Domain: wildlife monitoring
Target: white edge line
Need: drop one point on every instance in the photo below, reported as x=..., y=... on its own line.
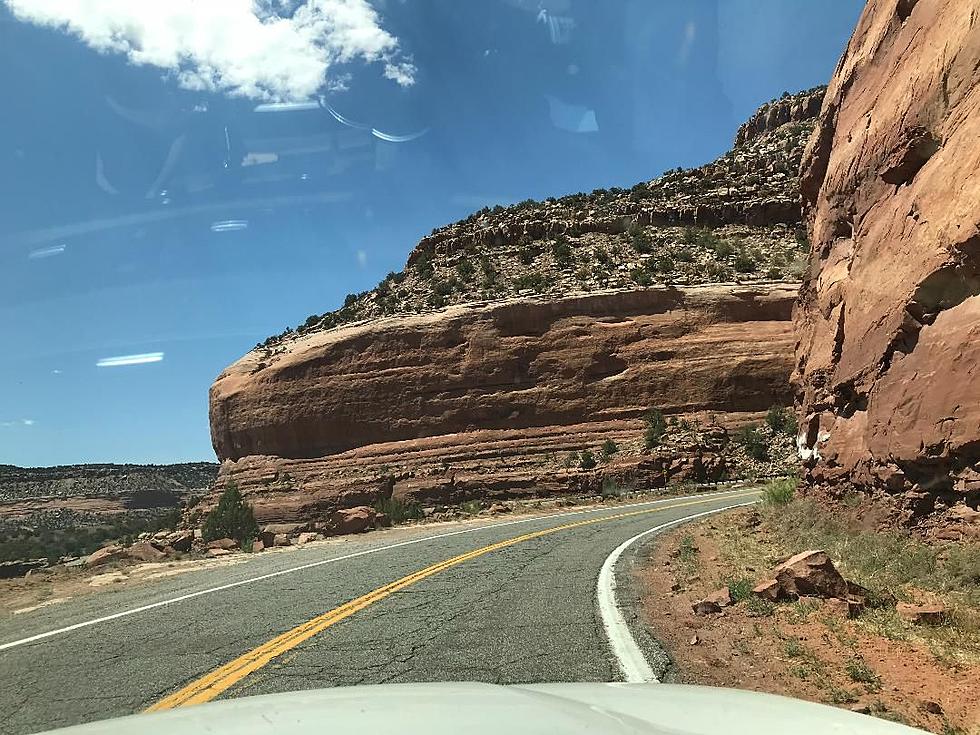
x=332, y=560
x=632, y=663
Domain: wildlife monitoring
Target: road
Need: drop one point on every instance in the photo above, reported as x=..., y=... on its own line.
x=502, y=601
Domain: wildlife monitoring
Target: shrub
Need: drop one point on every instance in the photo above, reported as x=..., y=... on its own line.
x=724, y=249
x=527, y=254
x=745, y=263
x=471, y=507
x=489, y=272
x=465, y=269
x=665, y=264
x=779, y=492
x=641, y=276
x=781, y=419
x=610, y=488
x=350, y=299
x=423, y=267
x=586, y=460
x=859, y=671
x=740, y=589
x=444, y=288
x=609, y=448
x=398, y=510
x=753, y=441
x=535, y=281
x=562, y=252
x=602, y=256
x=231, y=518
x=656, y=428
x=684, y=255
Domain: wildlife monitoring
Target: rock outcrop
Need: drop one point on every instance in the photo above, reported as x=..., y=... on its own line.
x=460, y=404
x=520, y=344
x=888, y=371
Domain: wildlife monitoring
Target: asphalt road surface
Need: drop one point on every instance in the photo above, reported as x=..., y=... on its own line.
x=508, y=600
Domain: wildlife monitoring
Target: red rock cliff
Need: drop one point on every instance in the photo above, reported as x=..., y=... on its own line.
x=509, y=365
x=888, y=321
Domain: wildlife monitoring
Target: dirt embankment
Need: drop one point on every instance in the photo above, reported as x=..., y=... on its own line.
x=875, y=662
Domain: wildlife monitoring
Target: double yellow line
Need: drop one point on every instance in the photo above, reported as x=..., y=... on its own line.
x=214, y=683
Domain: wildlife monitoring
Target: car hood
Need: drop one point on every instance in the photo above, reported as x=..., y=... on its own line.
x=433, y=709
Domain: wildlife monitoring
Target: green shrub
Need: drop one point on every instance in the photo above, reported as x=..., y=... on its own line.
x=424, y=268
x=561, y=251
x=602, y=256
x=779, y=492
x=740, y=589
x=610, y=488
x=465, y=269
x=684, y=255
x=753, y=441
x=535, y=281
x=609, y=448
x=781, y=420
x=724, y=249
x=231, y=518
x=665, y=264
x=656, y=428
x=641, y=276
x=586, y=460
x=745, y=263
x=471, y=507
x=399, y=510
x=859, y=671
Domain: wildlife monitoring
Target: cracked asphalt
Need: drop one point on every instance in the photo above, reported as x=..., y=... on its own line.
x=524, y=613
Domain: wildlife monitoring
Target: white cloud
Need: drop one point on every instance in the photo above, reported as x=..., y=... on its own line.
x=20, y=422
x=254, y=48
x=361, y=258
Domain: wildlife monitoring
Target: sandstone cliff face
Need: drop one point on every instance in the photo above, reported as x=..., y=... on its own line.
x=510, y=365
x=889, y=321
x=481, y=388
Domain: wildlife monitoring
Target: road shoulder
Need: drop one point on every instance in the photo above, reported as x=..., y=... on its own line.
x=808, y=649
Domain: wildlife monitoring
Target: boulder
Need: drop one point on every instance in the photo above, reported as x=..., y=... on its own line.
x=281, y=539
x=306, y=537
x=290, y=529
x=767, y=590
x=353, y=520
x=216, y=552
x=145, y=551
x=721, y=597
x=106, y=554
x=810, y=573
x=706, y=607
x=927, y=614
x=180, y=540
x=257, y=546
x=20, y=567
x=223, y=543
x=268, y=539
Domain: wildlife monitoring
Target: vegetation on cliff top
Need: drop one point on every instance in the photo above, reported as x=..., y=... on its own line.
x=736, y=218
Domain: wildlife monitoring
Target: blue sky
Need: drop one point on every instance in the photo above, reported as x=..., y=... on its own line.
x=150, y=209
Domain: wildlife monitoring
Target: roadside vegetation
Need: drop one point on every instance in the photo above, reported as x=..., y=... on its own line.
x=872, y=658
x=80, y=537
x=231, y=518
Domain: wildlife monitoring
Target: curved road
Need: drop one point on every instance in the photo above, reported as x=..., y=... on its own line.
x=507, y=601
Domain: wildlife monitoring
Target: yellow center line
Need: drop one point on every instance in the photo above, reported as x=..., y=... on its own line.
x=215, y=682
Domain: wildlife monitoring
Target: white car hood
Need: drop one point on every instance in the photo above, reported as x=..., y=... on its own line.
x=478, y=709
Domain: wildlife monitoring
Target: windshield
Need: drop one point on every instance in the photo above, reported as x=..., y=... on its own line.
x=506, y=284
